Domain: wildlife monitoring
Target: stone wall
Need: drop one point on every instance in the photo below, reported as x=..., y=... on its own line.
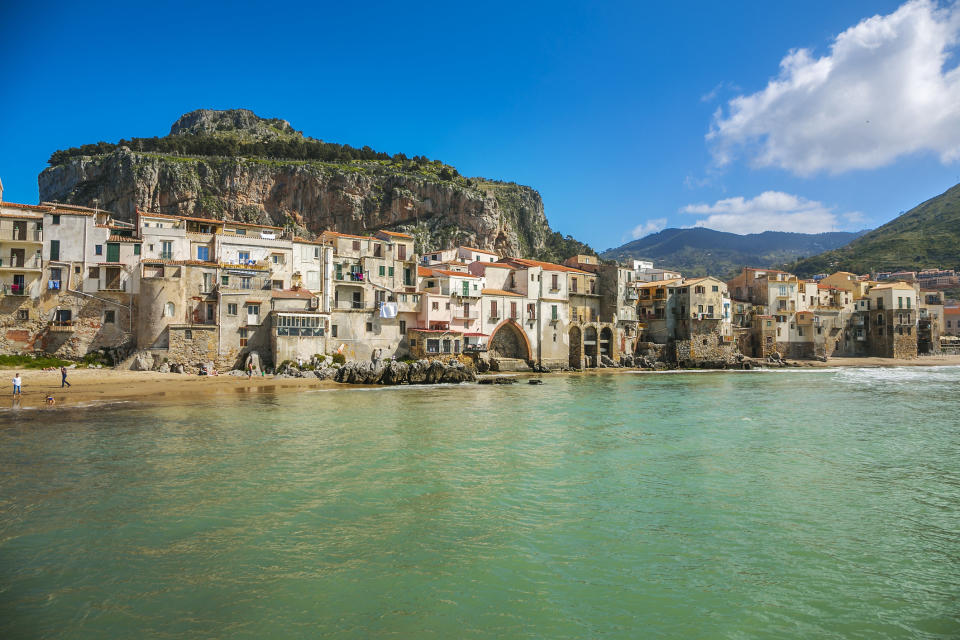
x=705, y=349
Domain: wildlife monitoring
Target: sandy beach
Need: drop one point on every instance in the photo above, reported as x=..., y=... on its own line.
x=100, y=386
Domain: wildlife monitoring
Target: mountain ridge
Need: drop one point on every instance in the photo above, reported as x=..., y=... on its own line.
x=926, y=236
x=699, y=251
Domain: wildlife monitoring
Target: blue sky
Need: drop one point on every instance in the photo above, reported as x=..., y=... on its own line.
x=825, y=121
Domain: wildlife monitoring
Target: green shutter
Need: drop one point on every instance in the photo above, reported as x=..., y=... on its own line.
x=113, y=252
x=383, y=270
x=54, y=249
x=390, y=272
x=136, y=249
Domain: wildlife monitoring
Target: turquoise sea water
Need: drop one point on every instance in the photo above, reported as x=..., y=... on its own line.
x=789, y=504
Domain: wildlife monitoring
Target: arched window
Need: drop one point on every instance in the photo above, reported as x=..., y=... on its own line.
x=169, y=310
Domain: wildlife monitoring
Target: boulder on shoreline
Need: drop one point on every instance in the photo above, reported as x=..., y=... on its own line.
x=394, y=372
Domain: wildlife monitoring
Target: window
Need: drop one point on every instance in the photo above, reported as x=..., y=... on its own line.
x=382, y=270
x=244, y=282
x=232, y=309
x=244, y=335
x=554, y=282
x=900, y=302
x=710, y=310
x=908, y=302
x=98, y=249
x=531, y=311
x=378, y=251
x=225, y=280
x=356, y=245
x=493, y=309
x=109, y=316
x=55, y=246
x=23, y=314
x=166, y=249
x=275, y=257
x=553, y=313
x=699, y=289
x=333, y=330
x=401, y=252
x=188, y=334
x=390, y=272
x=433, y=346
x=369, y=327
x=136, y=249
x=243, y=256
x=573, y=285
x=799, y=331
x=169, y=310
x=403, y=327
x=435, y=306
x=93, y=272
x=56, y=219
x=203, y=254
x=715, y=288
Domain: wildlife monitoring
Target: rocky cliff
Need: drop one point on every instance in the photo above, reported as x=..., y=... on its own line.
x=425, y=198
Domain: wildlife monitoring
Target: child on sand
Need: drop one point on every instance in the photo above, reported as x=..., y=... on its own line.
x=16, y=385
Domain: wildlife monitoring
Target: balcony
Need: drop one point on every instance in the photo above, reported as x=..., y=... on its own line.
x=19, y=263
x=15, y=289
x=19, y=235
x=61, y=326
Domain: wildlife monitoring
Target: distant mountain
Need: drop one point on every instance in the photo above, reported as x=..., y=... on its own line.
x=926, y=236
x=700, y=251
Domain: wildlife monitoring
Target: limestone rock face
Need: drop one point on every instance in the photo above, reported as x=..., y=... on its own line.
x=355, y=197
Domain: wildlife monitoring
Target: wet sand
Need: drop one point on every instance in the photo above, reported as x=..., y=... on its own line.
x=100, y=386
x=96, y=386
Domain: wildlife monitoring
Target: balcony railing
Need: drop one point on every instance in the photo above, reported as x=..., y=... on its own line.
x=26, y=236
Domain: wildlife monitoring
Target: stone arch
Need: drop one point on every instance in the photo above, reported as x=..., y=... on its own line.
x=576, y=347
x=606, y=345
x=508, y=340
x=590, y=344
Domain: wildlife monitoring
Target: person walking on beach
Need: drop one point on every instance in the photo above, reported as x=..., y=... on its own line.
x=16, y=385
x=249, y=370
x=63, y=377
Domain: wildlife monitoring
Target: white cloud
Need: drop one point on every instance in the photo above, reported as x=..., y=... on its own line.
x=882, y=92
x=769, y=211
x=648, y=227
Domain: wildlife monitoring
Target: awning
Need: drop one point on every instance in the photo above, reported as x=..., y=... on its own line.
x=477, y=335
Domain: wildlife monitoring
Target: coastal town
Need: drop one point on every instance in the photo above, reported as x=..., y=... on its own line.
x=173, y=292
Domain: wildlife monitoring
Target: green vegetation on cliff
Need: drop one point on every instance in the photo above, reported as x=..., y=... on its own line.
x=235, y=165
x=927, y=236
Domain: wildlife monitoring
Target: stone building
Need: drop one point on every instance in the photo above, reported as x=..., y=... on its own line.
x=375, y=297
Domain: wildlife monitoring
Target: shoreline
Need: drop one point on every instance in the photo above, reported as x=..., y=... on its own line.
x=96, y=387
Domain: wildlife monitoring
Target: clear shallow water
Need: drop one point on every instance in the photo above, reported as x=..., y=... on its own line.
x=752, y=505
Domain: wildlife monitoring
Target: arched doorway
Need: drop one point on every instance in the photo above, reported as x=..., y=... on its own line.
x=606, y=345
x=576, y=348
x=590, y=346
x=509, y=341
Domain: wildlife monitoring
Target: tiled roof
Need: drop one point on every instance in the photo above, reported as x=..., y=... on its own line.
x=305, y=241
x=396, y=235
x=459, y=274
x=337, y=234
x=210, y=220
x=116, y=238
x=500, y=292
x=489, y=253
x=546, y=266
x=22, y=216
x=423, y=271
